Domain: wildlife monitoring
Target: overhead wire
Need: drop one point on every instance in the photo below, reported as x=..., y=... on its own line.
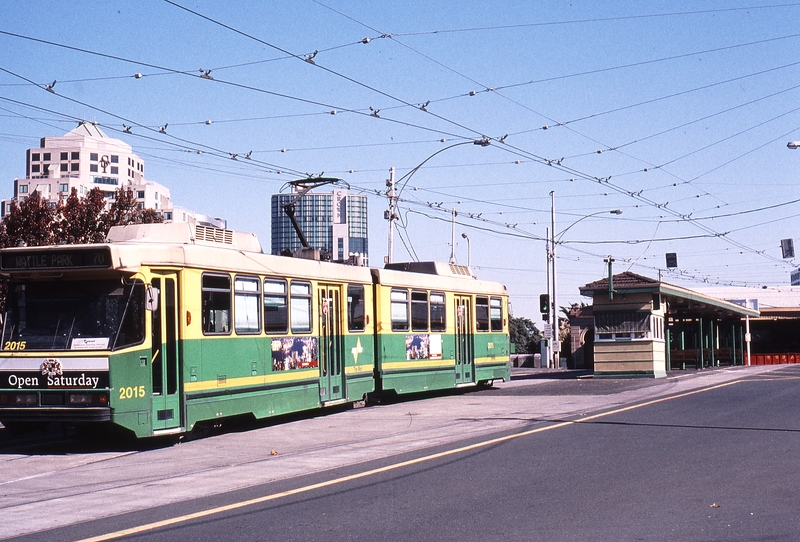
x=407, y=103
x=601, y=19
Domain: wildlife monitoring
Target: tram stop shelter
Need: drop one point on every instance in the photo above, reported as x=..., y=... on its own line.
x=645, y=327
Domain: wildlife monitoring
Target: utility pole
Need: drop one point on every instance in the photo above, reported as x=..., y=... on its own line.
x=610, y=262
x=453, y=238
x=390, y=215
x=556, y=343
x=545, y=347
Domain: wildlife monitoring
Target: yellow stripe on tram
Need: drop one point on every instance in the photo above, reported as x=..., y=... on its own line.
x=419, y=364
x=300, y=376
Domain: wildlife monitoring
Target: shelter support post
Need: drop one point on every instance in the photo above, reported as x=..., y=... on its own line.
x=747, y=336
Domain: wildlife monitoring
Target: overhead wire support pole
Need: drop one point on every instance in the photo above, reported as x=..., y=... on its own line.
x=453, y=238
x=553, y=300
x=391, y=215
x=549, y=339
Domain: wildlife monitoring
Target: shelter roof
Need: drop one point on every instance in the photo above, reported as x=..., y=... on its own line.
x=679, y=299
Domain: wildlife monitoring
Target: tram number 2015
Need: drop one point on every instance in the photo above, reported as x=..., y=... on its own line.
x=14, y=345
x=130, y=392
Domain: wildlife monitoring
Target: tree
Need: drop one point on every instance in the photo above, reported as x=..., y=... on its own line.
x=124, y=210
x=30, y=222
x=524, y=335
x=80, y=220
x=35, y=222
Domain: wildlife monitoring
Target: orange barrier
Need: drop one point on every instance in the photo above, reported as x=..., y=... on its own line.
x=774, y=359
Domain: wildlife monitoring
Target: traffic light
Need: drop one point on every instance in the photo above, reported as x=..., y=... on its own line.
x=544, y=303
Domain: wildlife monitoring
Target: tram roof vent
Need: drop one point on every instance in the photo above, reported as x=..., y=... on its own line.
x=213, y=235
x=433, y=268
x=207, y=235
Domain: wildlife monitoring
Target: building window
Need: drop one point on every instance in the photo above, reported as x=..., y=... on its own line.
x=35, y=168
x=216, y=303
x=622, y=326
x=35, y=157
x=300, y=303
x=64, y=167
x=63, y=187
x=399, y=302
x=246, y=301
x=114, y=159
x=140, y=194
x=496, y=313
x=76, y=156
x=106, y=180
x=355, y=307
x=75, y=167
x=46, y=157
x=276, y=313
x=23, y=189
x=93, y=168
x=93, y=157
x=65, y=156
x=167, y=216
x=114, y=170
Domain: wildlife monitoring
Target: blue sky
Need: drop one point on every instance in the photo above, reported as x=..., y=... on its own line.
x=690, y=105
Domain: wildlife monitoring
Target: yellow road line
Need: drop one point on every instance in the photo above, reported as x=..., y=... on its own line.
x=266, y=498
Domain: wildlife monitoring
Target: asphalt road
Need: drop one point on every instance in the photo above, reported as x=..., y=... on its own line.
x=700, y=456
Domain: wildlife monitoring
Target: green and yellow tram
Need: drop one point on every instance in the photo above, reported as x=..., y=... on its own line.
x=166, y=326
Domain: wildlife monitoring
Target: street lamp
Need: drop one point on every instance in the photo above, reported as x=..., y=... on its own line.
x=551, y=255
x=394, y=195
x=469, y=250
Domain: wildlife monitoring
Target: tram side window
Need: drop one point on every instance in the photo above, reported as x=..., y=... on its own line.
x=300, y=307
x=419, y=311
x=482, y=313
x=438, y=322
x=216, y=303
x=355, y=307
x=496, y=313
x=246, y=298
x=276, y=307
x=399, y=300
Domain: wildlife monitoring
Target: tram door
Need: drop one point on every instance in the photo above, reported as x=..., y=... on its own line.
x=165, y=360
x=331, y=344
x=465, y=352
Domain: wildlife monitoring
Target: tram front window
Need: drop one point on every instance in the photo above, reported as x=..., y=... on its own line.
x=74, y=315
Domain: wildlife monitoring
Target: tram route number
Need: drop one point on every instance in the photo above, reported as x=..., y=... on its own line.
x=131, y=392
x=14, y=345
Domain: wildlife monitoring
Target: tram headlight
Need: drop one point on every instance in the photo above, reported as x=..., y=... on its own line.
x=19, y=399
x=81, y=398
x=88, y=399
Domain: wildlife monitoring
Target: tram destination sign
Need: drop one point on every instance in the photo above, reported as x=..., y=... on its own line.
x=58, y=258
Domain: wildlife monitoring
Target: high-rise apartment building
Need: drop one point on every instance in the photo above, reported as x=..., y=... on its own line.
x=335, y=223
x=86, y=158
